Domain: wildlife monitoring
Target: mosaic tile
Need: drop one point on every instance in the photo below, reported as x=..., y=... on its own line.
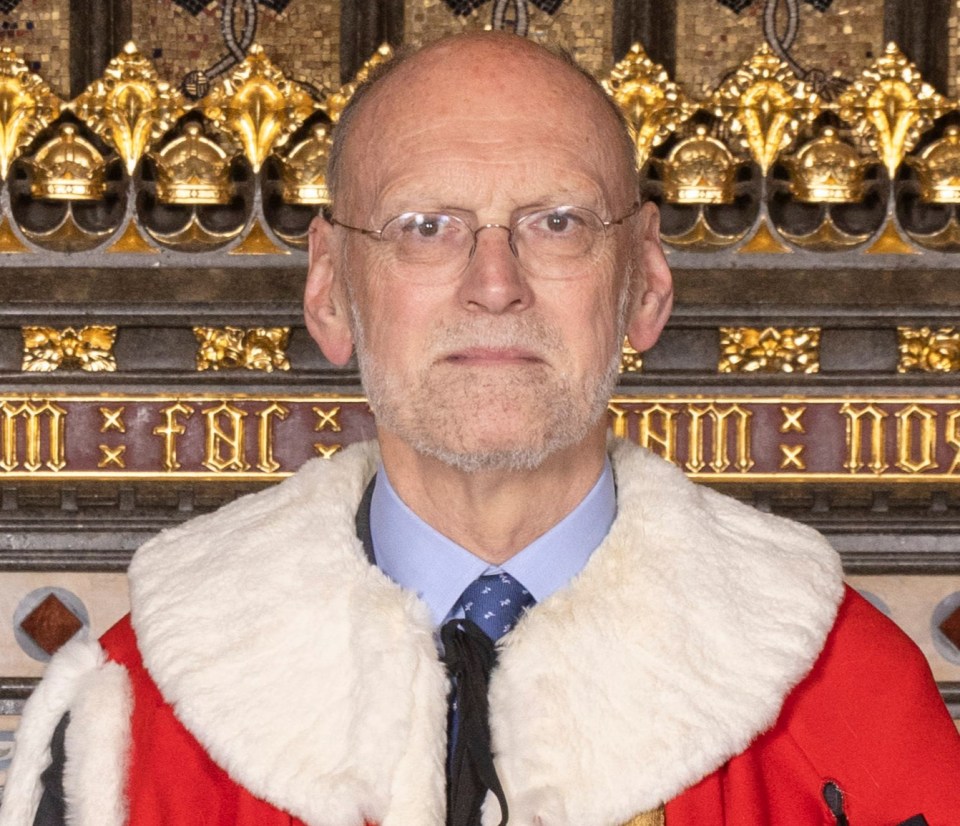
x=300, y=36
x=39, y=32
x=842, y=37
x=582, y=27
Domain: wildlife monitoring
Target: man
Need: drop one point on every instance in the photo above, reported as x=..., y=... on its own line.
x=686, y=657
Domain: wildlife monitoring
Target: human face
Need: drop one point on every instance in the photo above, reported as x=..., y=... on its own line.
x=499, y=369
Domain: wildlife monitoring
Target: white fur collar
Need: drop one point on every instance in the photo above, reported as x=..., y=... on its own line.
x=313, y=680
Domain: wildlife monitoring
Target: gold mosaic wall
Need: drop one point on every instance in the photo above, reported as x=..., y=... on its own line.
x=39, y=31
x=953, y=28
x=582, y=27
x=304, y=41
x=711, y=38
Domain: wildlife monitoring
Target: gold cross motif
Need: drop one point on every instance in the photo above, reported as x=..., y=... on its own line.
x=326, y=451
x=112, y=420
x=792, y=457
x=792, y=419
x=112, y=456
x=327, y=417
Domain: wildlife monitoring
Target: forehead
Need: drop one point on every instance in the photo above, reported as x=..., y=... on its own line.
x=485, y=118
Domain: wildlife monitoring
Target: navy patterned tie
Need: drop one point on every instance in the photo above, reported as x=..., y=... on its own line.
x=494, y=602
x=491, y=605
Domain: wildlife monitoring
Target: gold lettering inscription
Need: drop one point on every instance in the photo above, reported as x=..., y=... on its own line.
x=112, y=420
x=619, y=423
x=854, y=426
x=32, y=412
x=265, y=460
x=327, y=418
x=922, y=423
x=170, y=430
x=224, y=431
x=719, y=418
x=792, y=419
x=953, y=437
x=111, y=456
x=658, y=426
x=326, y=451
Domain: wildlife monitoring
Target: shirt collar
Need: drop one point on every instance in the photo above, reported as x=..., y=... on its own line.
x=419, y=558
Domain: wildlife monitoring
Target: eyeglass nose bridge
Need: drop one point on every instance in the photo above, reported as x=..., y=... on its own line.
x=510, y=239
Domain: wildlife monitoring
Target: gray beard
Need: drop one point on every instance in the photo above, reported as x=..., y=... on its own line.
x=567, y=421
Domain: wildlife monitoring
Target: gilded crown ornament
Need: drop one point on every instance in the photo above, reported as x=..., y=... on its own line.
x=259, y=105
x=890, y=106
x=764, y=104
x=193, y=169
x=336, y=101
x=827, y=170
x=27, y=106
x=129, y=107
x=304, y=169
x=938, y=168
x=698, y=170
x=653, y=104
x=68, y=168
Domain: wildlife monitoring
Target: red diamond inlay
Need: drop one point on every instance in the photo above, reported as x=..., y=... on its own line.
x=51, y=624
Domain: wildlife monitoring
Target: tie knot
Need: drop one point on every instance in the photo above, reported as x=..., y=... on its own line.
x=494, y=602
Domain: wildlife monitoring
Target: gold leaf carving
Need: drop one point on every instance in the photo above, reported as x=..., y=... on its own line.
x=827, y=170
x=698, y=170
x=193, y=169
x=129, y=107
x=27, y=106
x=90, y=349
x=304, y=169
x=770, y=350
x=926, y=350
x=337, y=101
x=258, y=105
x=653, y=104
x=890, y=106
x=764, y=104
x=68, y=168
x=938, y=169
x=228, y=348
x=630, y=360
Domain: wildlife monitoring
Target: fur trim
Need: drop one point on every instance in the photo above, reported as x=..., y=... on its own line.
x=64, y=677
x=268, y=631
x=669, y=653
x=97, y=745
x=307, y=675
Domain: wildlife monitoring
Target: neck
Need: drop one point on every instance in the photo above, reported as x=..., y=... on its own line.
x=494, y=514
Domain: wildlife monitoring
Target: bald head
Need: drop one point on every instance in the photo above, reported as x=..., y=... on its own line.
x=479, y=71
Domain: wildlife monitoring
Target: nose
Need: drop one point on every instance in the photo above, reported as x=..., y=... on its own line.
x=493, y=281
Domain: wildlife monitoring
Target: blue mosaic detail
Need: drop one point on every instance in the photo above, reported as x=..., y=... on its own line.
x=465, y=7
x=738, y=6
x=194, y=7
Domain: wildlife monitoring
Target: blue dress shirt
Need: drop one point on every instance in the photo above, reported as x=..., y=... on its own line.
x=424, y=561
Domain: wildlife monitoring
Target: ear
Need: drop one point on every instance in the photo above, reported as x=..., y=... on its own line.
x=654, y=297
x=325, y=307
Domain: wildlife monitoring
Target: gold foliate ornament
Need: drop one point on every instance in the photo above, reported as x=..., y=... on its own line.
x=27, y=106
x=337, y=101
x=890, y=106
x=770, y=350
x=228, y=348
x=129, y=107
x=827, y=170
x=46, y=349
x=938, y=168
x=698, y=170
x=925, y=350
x=259, y=105
x=68, y=168
x=765, y=104
x=193, y=169
x=630, y=360
x=653, y=104
x=304, y=169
